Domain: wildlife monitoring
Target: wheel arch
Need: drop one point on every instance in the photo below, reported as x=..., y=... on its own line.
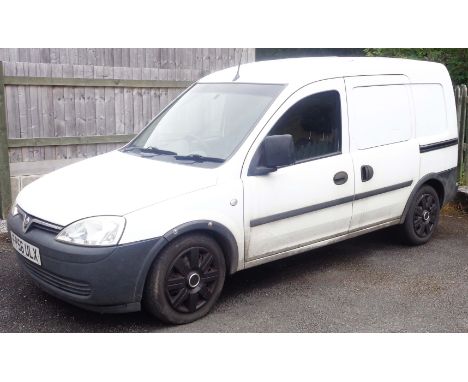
x=217, y=231
x=442, y=184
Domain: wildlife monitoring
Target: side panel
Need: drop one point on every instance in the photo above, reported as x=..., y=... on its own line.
x=436, y=129
x=439, y=160
x=382, y=138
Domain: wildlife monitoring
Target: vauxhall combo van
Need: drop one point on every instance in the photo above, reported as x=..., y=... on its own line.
x=250, y=164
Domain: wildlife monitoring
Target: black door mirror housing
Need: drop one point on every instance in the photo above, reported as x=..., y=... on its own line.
x=277, y=151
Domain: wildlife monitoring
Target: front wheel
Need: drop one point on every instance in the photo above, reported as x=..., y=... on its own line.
x=185, y=280
x=422, y=217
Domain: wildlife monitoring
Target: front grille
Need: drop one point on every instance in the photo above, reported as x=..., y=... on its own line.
x=75, y=287
x=36, y=223
x=45, y=226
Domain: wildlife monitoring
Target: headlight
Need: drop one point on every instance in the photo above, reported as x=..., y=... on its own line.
x=95, y=231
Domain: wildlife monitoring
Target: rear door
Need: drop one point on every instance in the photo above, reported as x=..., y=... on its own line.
x=384, y=151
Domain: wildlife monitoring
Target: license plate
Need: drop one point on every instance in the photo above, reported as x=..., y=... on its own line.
x=27, y=250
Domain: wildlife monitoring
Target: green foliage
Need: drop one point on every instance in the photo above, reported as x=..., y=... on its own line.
x=456, y=60
x=278, y=53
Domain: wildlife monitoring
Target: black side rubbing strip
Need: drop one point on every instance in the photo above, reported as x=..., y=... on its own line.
x=331, y=203
x=383, y=190
x=438, y=145
x=299, y=211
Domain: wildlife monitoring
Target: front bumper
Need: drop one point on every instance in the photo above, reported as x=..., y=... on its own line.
x=104, y=279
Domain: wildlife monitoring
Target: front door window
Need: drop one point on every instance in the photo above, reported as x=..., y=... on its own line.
x=315, y=125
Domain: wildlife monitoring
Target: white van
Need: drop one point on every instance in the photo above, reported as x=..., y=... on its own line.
x=242, y=169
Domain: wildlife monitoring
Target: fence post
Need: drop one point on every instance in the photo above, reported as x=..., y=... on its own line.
x=465, y=143
x=458, y=99
x=461, y=102
x=5, y=186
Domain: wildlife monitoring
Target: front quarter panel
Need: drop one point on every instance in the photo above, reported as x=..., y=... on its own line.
x=221, y=204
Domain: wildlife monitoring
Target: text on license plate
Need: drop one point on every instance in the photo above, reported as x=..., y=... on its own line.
x=27, y=250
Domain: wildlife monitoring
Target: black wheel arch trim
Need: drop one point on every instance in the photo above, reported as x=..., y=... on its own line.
x=446, y=178
x=229, y=244
x=210, y=225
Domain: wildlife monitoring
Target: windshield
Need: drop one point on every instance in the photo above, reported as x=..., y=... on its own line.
x=207, y=123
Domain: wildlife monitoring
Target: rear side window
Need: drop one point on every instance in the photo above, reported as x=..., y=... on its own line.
x=315, y=125
x=379, y=115
x=429, y=107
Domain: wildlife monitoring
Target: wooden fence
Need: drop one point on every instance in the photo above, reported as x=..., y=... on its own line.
x=161, y=58
x=461, y=100
x=55, y=107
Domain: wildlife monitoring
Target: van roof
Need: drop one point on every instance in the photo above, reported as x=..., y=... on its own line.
x=310, y=69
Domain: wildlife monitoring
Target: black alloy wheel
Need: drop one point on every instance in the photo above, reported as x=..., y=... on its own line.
x=192, y=279
x=185, y=279
x=425, y=215
x=422, y=216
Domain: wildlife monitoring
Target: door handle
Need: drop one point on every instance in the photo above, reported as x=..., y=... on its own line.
x=367, y=172
x=340, y=178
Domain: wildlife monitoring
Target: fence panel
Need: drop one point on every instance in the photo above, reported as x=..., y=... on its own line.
x=73, y=106
x=165, y=58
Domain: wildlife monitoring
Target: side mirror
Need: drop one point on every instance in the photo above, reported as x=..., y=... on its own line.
x=277, y=151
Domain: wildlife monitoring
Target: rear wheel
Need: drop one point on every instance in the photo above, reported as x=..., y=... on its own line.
x=186, y=279
x=422, y=217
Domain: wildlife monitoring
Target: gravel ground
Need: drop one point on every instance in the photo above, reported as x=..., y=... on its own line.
x=2, y=226
x=367, y=284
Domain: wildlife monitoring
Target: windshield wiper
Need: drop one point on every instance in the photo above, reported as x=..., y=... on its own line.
x=199, y=158
x=192, y=157
x=155, y=150
x=150, y=150
x=130, y=148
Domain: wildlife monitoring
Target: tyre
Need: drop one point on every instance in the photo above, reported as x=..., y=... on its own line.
x=422, y=217
x=185, y=280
